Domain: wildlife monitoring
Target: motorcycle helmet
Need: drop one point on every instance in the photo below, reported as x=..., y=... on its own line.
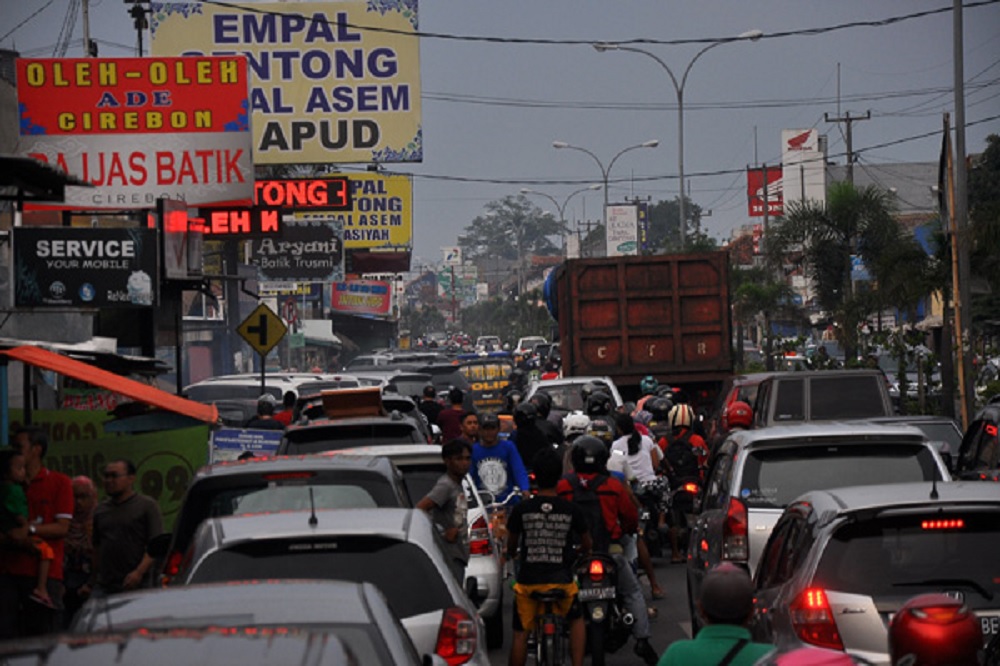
x=574, y=425
x=543, y=403
x=648, y=385
x=589, y=389
x=934, y=629
x=739, y=415
x=665, y=391
x=589, y=455
x=518, y=378
x=511, y=401
x=659, y=408
x=525, y=414
x=601, y=428
x=680, y=416
x=598, y=404
x=266, y=404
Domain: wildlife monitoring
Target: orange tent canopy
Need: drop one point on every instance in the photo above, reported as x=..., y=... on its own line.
x=85, y=372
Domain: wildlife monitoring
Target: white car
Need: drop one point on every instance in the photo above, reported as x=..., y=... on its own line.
x=566, y=392
x=527, y=344
x=421, y=466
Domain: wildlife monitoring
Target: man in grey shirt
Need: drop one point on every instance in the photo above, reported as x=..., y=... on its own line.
x=124, y=523
x=446, y=502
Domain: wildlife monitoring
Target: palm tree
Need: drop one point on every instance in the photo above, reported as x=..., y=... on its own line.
x=853, y=221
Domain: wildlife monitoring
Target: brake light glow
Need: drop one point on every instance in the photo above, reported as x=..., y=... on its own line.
x=596, y=570
x=734, y=532
x=285, y=476
x=691, y=488
x=456, y=641
x=479, y=537
x=953, y=524
x=941, y=614
x=812, y=619
x=173, y=564
x=990, y=429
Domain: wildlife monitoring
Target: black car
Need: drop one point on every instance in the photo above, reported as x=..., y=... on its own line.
x=979, y=454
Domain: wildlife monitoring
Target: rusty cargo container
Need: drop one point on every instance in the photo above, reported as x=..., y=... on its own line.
x=664, y=315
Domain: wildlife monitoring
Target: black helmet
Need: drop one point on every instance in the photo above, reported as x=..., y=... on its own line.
x=589, y=454
x=543, y=402
x=524, y=414
x=598, y=404
x=518, y=377
x=511, y=401
x=588, y=389
x=659, y=408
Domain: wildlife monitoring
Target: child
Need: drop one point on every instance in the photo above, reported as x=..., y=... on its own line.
x=14, y=518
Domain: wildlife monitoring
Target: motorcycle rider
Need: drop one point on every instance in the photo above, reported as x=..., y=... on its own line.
x=682, y=463
x=548, y=422
x=620, y=517
x=647, y=389
x=528, y=438
x=536, y=528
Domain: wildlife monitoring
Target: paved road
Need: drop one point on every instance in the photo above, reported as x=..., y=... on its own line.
x=672, y=621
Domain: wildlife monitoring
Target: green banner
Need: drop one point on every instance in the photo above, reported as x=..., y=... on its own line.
x=165, y=460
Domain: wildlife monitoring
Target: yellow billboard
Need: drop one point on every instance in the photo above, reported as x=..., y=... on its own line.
x=330, y=81
x=382, y=215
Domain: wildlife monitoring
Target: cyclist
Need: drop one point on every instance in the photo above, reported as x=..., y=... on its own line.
x=616, y=516
x=541, y=533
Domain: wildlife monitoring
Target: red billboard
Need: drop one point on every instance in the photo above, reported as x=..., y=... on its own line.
x=755, y=191
x=362, y=297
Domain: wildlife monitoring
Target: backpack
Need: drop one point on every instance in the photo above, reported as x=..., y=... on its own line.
x=585, y=496
x=680, y=459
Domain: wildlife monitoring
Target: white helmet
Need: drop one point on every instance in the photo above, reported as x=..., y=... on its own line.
x=680, y=416
x=575, y=424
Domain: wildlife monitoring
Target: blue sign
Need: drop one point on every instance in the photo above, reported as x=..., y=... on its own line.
x=229, y=443
x=859, y=272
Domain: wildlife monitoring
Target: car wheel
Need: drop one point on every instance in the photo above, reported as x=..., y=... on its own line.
x=494, y=627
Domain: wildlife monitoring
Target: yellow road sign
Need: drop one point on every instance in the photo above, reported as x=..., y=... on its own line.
x=262, y=329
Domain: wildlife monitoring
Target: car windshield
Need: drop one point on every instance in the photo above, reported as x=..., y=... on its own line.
x=345, y=436
x=222, y=391
x=831, y=398
x=567, y=398
x=914, y=553
x=773, y=477
x=375, y=560
x=941, y=432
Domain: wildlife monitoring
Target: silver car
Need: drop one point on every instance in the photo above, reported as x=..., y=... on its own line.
x=397, y=550
x=356, y=612
x=421, y=466
x=566, y=392
x=757, y=473
x=841, y=562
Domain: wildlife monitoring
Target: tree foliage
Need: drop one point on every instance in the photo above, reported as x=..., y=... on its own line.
x=513, y=218
x=663, y=225
x=984, y=225
x=509, y=319
x=421, y=320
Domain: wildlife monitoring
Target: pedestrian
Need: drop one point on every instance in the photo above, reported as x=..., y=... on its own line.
x=429, y=405
x=447, y=505
x=264, y=419
x=496, y=465
x=50, y=509
x=450, y=418
x=124, y=524
x=725, y=604
x=541, y=533
x=470, y=427
x=14, y=519
x=284, y=415
x=79, y=551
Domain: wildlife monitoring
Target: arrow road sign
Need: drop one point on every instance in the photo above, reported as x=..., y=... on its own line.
x=262, y=329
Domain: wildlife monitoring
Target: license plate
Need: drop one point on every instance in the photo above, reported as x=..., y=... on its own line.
x=991, y=626
x=596, y=593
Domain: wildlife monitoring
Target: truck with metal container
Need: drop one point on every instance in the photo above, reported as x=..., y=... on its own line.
x=663, y=315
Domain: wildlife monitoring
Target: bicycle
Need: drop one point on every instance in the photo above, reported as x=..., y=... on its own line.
x=548, y=641
x=497, y=512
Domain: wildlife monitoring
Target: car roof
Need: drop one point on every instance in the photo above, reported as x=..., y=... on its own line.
x=834, y=502
x=853, y=431
x=278, y=464
x=399, y=453
x=344, y=422
x=793, y=374
x=244, y=602
x=398, y=524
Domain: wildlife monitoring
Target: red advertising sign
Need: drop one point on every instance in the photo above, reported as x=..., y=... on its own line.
x=362, y=297
x=132, y=95
x=140, y=129
x=293, y=193
x=252, y=222
x=755, y=191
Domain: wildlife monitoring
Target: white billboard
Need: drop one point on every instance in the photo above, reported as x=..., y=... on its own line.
x=803, y=159
x=622, y=233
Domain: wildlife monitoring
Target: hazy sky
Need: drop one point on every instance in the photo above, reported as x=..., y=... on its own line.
x=491, y=110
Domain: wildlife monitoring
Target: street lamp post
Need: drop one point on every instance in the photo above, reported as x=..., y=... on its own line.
x=652, y=143
x=752, y=35
x=561, y=207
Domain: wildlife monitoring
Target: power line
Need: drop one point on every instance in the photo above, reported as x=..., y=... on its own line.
x=19, y=25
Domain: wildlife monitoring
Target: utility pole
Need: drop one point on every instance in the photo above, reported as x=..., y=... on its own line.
x=849, y=120
x=961, y=213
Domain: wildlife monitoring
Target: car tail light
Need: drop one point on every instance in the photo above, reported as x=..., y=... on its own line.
x=479, y=537
x=734, y=532
x=456, y=642
x=286, y=476
x=812, y=619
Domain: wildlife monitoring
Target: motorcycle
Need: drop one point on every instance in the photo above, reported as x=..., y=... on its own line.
x=654, y=498
x=609, y=625
x=685, y=498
